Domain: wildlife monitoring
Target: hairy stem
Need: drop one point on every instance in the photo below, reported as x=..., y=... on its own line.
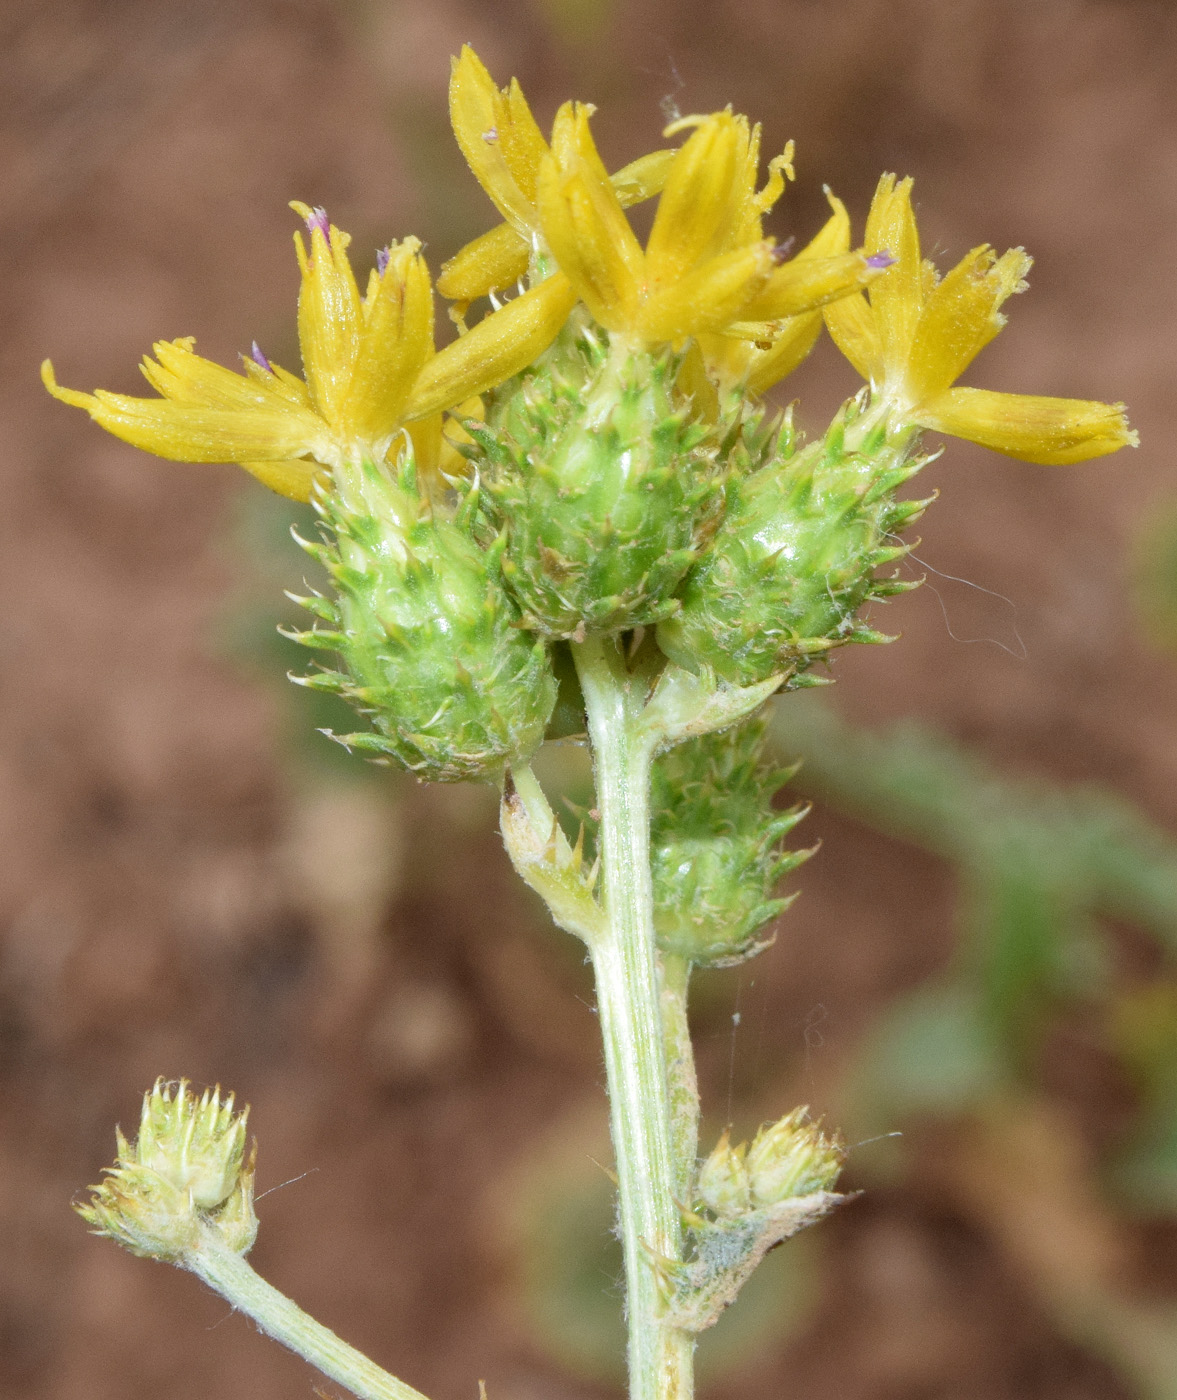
x=629, y=999
x=235, y=1279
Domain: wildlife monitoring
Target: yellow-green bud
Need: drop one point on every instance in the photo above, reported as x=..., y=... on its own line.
x=723, y=1184
x=792, y=1157
x=187, y=1171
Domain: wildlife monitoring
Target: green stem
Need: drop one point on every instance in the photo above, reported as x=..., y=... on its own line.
x=629, y=1000
x=235, y=1279
x=680, y=1071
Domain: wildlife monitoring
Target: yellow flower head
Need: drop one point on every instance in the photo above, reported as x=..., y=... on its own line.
x=369, y=364
x=504, y=147
x=916, y=333
x=706, y=268
x=754, y=357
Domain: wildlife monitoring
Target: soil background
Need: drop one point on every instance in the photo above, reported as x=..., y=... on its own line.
x=186, y=889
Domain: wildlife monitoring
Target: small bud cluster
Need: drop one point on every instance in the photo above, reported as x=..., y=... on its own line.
x=187, y=1172
x=786, y=1160
x=756, y=1195
x=714, y=847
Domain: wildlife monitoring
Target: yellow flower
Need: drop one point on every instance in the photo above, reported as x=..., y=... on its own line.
x=755, y=357
x=917, y=333
x=505, y=148
x=706, y=267
x=369, y=363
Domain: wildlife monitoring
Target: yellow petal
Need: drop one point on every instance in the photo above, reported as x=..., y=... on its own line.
x=499, y=258
x=834, y=235
x=584, y=225
x=643, y=178
x=499, y=346
x=1054, y=432
x=494, y=137
x=895, y=299
x=698, y=372
x=181, y=375
x=185, y=432
x=488, y=263
x=708, y=299
x=425, y=435
x=293, y=479
x=705, y=195
x=278, y=381
x=804, y=284
x=521, y=140
x=397, y=340
x=854, y=330
x=328, y=313
x=961, y=316
x=796, y=339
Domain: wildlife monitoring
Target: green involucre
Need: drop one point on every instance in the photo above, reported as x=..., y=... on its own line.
x=714, y=847
x=430, y=641
x=795, y=559
x=604, y=485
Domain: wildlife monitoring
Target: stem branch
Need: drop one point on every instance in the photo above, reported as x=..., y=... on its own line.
x=235, y=1279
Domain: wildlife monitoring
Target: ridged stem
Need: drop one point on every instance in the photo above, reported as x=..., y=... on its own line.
x=234, y=1278
x=630, y=1005
x=680, y=1072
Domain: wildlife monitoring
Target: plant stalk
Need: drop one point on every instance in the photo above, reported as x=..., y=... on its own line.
x=680, y=1071
x=629, y=1001
x=235, y=1279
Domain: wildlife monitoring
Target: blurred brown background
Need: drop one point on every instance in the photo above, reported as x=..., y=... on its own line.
x=189, y=887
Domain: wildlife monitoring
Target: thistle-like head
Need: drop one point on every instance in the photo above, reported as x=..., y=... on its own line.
x=188, y=1171
x=793, y=1157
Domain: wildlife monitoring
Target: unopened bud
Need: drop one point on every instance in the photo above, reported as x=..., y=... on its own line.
x=793, y=1157
x=714, y=847
x=188, y=1170
x=723, y=1180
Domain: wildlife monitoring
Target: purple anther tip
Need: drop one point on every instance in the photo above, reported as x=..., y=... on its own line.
x=318, y=220
x=382, y=257
x=258, y=356
x=781, y=251
x=882, y=260
x=491, y=136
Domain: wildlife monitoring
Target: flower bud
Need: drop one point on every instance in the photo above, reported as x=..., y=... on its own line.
x=723, y=1180
x=795, y=559
x=604, y=484
x=714, y=847
x=792, y=1158
x=186, y=1172
x=432, y=648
